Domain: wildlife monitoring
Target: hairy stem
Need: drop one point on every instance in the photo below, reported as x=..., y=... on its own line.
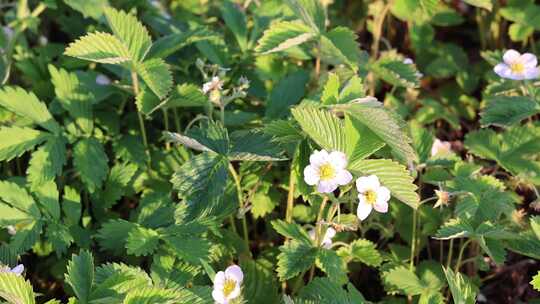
x=318, y=231
x=236, y=179
x=413, y=239
x=460, y=255
x=135, y=81
x=290, y=198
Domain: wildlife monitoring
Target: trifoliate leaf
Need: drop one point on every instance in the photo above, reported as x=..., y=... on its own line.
x=130, y=31
x=295, y=257
x=99, y=47
x=90, y=160
x=284, y=35
x=28, y=105
x=14, y=141
x=80, y=275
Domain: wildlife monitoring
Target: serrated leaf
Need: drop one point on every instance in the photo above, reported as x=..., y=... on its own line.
x=454, y=228
x=14, y=289
x=396, y=73
x=210, y=136
x=88, y=8
x=14, y=141
x=508, y=110
x=190, y=248
x=535, y=225
x=330, y=93
x=384, y=124
x=235, y=19
x=262, y=285
x=99, y=47
x=254, y=145
x=80, y=275
x=157, y=76
x=167, y=45
x=203, y=176
x=113, y=234
x=295, y=258
x=494, y=249
x=26, y=238
x=284, y=35
x=312, y=12
x=60, y=238
x=292, y=231
x=119, y=177
x=25, y=104
x=535, y=282
x=462, y=290
x=48, y=195
x=90, y=160
x=365, y=251
x=142, y=241
x=130, y=31
x=404, y=280
x=17, y=197
x=47, y=162
x=361, y=141
x=392, y=175
x=322, y=126
x=71, y=205
x=332, y=264
x=339, y=46
x=323, y=290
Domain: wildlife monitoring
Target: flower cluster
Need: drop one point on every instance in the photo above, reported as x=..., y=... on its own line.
x=327, y=171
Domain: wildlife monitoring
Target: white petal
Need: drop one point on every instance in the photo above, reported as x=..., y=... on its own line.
x=343, y=177
x=327, y=186
x=365, y=183
x=531, y=73
x=363, y=210
x=318, y=158
x=330, y=233
x=311, y=234
x=235, y=293
x=311, y=175
x=511, y=56
x=219, y=279
x=528, y=60
x=235, y=272
x=381, y=207
x=383, y=194
x=502, y=70
x=408, y=61
x=218, y=296
x=338, y=159
x=18, y=269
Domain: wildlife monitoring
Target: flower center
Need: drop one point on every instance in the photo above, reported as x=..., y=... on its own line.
x=228, y=287
x=326, y=172
x=371, y=196
x=517, y=68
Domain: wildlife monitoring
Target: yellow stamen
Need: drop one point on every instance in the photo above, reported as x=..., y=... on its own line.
x=326, y=172
x=371, y=197
x=517, y=67
x=228, y=287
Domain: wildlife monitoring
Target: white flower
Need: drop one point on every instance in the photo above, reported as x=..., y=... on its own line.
x=18, y=270
x=440, y=147
x=408, y=61
x=371, y=195
x=11, y=230
x=102, y=80
x=517, y=67
x=214, y=84
x=327, y=239
x=227, y=284
x=42, y=40
x=327, y=171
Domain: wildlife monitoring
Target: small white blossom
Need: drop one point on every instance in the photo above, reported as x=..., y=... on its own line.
x=18, y=270
x=214, y=84
x=327, y=238
x=43, y=41
x=371, y=195
x=408, y=61
x=11, y=230
x=227, y=284
x=327, y=171
x=440, y=147
x=102, y=80
x=517, y=66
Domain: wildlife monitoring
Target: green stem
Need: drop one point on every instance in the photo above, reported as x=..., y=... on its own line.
x=166, y=122
x=460, y=256
x=135, y=82
x=450, y=250
x=318, y=231
x=413, y=239
x=236, y=179
x=290, y=197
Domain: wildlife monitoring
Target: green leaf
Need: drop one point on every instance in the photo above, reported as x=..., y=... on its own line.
x=28, y=105
x=384, y=124
x=462, y=290
x=88, y=8
x=118, y=179
x=254, y=145
x=494, y=249
x=80, y=275
x=322, y=290
x=74, y=97
x=235, y=19
x=361, y=141
x=142, y=241
x=113, y=234
x=339, y=46
x=508, y=110
x=312, y=12
x=332, y=264
x=284, y=35
x=535, y=225
x=60, y=238
x=330, y=93
x=210, y=136
x=190, y=248
x=365, y=251
x=535, y=282
x=14, y=141
x=486, y=4
x=26, y=238
x=157, y=76
x=322, y=126
x=261, y=287
x=292, y=231
x=90, y=160
x=17, y=197
x=99, y=47
x=288, y=92
x=130, y=31
x=47, y=162
x=396, y=73
x=14, y=289
x=404, y=280
x=392, y=175
x=167, y=45
x=295, y=258
x=48, y=195
x=454, y=228
x=203, y=176
x=71, y=205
